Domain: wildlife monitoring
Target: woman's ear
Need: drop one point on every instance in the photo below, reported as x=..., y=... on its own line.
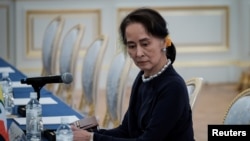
x=163, y=43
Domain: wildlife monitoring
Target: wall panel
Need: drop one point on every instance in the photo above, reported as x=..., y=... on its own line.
x=34, y=25
x=4, y=32
x=38, y=20
x=196, y=28
x=202, y=38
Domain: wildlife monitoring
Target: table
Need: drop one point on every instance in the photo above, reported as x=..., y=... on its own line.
x=59, y=109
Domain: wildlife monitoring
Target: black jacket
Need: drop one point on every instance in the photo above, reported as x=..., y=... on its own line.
x=159, y=110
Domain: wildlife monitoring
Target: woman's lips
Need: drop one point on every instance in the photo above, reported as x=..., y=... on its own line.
x=141, y=63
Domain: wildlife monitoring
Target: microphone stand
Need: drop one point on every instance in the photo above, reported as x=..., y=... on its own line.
x=37, y=88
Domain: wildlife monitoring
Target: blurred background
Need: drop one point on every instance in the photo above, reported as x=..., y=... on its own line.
x=211, y=37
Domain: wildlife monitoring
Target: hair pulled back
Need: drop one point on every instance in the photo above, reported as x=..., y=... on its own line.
x=153, y=23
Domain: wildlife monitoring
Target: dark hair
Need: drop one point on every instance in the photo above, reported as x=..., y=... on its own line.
x=154, y=24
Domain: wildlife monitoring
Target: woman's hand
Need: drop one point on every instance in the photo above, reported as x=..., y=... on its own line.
x=80, y=134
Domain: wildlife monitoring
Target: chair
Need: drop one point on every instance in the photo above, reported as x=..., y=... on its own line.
x=50, y=46
x=92, y=63
x=194, y=86
x=68, y=59
x=116, y=89
x=238, y=110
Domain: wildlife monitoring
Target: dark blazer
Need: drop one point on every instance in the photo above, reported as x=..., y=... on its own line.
x=159, y=110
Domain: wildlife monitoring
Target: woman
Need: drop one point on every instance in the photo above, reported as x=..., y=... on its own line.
x=159, y=107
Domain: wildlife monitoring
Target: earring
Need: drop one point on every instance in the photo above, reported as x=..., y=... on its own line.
x=164, y=49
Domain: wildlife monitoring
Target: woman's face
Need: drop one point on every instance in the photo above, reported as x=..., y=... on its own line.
x=144, y=49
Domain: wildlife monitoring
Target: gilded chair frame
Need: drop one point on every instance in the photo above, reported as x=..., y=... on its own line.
x=242, y=94
x=65, y=91
x=244, y=81
x=50, y=53
x=86, y=106
x=197, y=82
x=54, y=47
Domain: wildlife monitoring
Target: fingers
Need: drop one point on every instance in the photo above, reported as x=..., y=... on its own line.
x=74, y=128
x=81, y=135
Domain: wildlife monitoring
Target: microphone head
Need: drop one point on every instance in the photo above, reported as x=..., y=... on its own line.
x=67, y=78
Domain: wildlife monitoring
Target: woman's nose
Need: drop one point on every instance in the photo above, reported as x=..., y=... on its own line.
x=139, y=51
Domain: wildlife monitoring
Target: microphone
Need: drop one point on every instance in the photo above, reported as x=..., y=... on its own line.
x=66, y=78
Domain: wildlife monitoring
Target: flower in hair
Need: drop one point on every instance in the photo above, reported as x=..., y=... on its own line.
x=168, y=41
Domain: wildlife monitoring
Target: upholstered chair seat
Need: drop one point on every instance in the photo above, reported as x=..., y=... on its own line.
x=116, y=89
x=50, y=48
x=238, y=111
x=91, y=69
x=70, y=47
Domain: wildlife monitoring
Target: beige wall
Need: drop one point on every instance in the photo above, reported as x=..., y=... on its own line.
x=211, y=36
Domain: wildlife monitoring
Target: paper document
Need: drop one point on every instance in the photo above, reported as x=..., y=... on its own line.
x=48, y=120
x=6, y=69
x=16, y=133
x=17, y=84
x=42, y=100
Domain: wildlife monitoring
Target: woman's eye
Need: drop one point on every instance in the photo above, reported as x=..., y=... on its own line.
x=130, y=46
x=144, y=44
